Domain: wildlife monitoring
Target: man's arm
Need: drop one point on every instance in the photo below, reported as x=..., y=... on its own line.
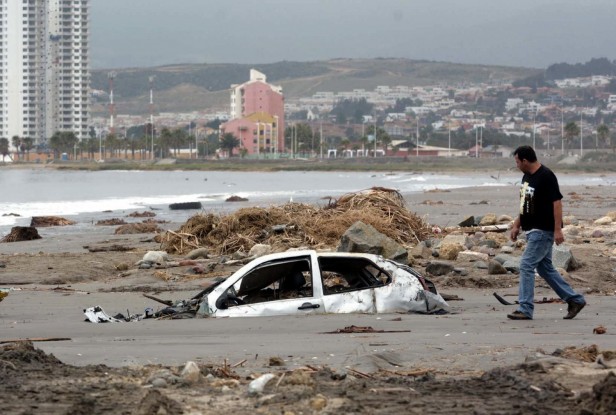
x=515, y=229
x=559, y=238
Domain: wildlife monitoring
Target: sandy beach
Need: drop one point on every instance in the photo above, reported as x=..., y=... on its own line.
x=55, y=278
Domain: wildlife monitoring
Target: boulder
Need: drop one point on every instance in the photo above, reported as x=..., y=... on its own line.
x=612, y=215
x=361, y=237
x=502, y=258
x=455, y=239
x=606, y=220
x=469, y=221
x=504, y=219
x=197, y=253
x=421, y=250
x=512, y=266
x=258, y=250
x=472, y=256
x=450, y=251
x=507, y=249
x=438, y=268
x=488, y=219
x=563, y=258
x=495, y=268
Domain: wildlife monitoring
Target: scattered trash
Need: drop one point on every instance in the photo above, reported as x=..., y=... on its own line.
x=256, y=386
x=599, y=330
x=185, y=205
x=363, y=329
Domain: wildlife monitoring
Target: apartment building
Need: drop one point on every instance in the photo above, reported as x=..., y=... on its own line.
x=257, y=115
x=44, y=69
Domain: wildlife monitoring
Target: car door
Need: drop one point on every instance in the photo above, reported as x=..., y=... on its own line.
x=272, y=288
x=348, y=284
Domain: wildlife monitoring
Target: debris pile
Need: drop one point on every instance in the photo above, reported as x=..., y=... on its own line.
x=44, y=221
x=297, y=224
x=21, y=233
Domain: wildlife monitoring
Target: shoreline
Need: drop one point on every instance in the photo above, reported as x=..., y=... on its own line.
x=424, y=164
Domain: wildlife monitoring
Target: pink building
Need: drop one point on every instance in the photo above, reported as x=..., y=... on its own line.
x=257, y=116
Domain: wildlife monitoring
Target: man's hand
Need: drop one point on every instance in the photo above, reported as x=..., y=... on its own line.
x=515, y=231
x=559, y=238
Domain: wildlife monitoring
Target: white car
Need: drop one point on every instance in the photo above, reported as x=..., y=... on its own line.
x=311, y=282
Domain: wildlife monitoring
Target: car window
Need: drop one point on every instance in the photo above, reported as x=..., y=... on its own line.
x=349, y=274
x=271, y=281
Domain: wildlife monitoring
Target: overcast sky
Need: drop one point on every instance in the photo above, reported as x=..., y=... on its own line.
x=528, y=33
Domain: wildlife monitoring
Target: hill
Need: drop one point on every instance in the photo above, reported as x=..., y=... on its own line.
x=190, y=87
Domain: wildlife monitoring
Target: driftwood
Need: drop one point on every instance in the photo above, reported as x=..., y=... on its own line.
x=137, y=228
x=21, y=233
x=36, y=339
x=108, y=248
x=297, y=224
x=144, y=214
x=111, y=222
x=45, y=221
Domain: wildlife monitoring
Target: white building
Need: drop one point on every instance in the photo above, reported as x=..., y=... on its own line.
x=44, y=70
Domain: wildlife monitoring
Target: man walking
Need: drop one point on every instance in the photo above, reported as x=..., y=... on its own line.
x=541, y=218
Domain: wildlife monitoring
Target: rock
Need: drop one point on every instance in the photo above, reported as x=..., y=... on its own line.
x=495, y=268
x=488, y=219
x=490, y=243
x=276, y=361
x=570, y=220
x=438, y=268
x=469, y=221
x=504, y=219
x=460, y=271
x=597, y=233
x=235, y=198
x=361, y=237
x=612, y=215
x=450, y=251
x=502, y=258
x=606, y=220
x=159, y=383
x=480, y=265
x=472, y=256
x=478, y=220
x=507, y=249
x=318, y=402
x=258, y=250
x=191, y=372
x=197, y=253
x=512, y=266
x=153, y=259
x=455, y=239
x=421, y=250
x=563, y=258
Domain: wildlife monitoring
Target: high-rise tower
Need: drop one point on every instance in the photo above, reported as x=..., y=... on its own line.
x=44, y=68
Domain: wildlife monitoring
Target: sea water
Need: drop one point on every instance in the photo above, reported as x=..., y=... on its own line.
x=89, y=196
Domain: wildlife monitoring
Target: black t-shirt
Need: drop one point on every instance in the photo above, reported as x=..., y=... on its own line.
x=537, y=196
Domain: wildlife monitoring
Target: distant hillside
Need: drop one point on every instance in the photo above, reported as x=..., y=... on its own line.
x=190, y=87
x=595, y=66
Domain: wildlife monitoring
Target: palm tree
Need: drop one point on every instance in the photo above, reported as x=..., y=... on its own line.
x=229, y=142
x=603, y=132
x=4, y=148
x=16, y=142
x=27, y=145
x=571, y=131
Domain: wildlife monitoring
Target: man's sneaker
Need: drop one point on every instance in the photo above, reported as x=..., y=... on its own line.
x=518, y=315
x=573, y=309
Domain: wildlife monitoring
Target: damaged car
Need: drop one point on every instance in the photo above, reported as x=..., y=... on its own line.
x=311, y=282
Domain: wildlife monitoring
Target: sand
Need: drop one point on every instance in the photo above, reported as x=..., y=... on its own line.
x=469, y=360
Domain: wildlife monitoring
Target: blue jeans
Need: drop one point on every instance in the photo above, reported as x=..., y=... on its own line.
x=538, y=255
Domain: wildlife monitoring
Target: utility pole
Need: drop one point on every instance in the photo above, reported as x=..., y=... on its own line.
x=151, y=82
x=581, y=136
